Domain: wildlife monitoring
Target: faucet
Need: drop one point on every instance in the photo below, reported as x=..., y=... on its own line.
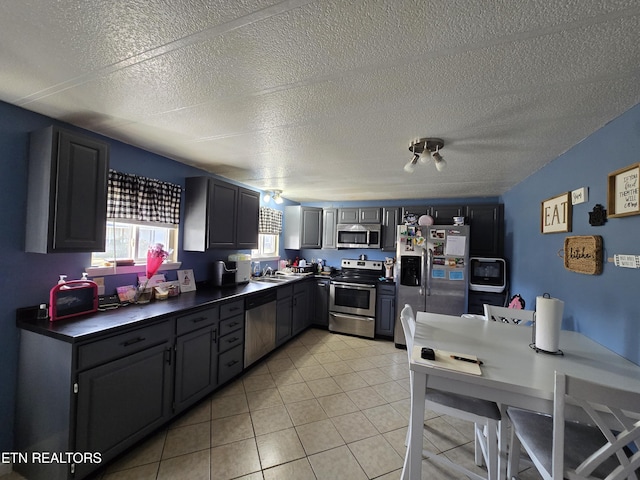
x=267, y=271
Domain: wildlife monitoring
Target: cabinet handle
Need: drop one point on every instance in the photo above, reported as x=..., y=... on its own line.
x=215, y=335
x=234, y=339
x=133, y=341
x=167, y=356
x=199, y=319
x=233, y=309
x=233, y=324
x=232, y=363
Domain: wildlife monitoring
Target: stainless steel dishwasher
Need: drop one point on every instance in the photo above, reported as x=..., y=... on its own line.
x=260, y=326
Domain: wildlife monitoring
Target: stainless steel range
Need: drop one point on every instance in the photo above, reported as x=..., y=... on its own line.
x=352, y=300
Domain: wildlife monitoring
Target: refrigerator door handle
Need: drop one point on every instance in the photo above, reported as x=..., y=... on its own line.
x=429, y=267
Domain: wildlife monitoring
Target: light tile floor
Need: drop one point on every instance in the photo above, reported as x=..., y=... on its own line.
x=323, y=406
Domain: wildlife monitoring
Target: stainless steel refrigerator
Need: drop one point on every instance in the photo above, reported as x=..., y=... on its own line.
x=431, y=271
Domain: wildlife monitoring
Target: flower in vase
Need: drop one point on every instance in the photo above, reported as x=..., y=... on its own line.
x=156, y=254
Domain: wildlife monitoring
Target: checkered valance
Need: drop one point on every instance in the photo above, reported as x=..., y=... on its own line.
x=143, y=199
x=270, y=221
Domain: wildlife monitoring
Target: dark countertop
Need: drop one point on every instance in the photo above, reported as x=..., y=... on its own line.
x=86, y=327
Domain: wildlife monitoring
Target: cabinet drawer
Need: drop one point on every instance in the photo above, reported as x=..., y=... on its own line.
x=195, y=320
x=231, y=340
x=231, y=324
x=284, y=292
x=386, y=289
x=230, y=309
x=111, y=348
x=229, y=364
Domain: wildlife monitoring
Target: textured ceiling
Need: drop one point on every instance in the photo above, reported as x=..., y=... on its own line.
x=321, y=98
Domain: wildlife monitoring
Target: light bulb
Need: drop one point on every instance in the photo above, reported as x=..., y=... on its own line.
x=439, y=161
x=424, y=157
x=277, y=198
x=410, y=166
x=266, y=198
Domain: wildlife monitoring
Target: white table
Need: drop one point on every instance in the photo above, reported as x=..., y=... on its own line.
x=512, y=373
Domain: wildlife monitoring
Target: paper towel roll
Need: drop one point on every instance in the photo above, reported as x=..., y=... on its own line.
x=548, y=321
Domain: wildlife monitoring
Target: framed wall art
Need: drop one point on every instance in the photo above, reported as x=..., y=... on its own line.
x=622, y=192
x=555, y=214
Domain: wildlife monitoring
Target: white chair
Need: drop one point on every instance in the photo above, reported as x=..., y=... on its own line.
x=484, y=414
x=560, y=448
x=512, y=316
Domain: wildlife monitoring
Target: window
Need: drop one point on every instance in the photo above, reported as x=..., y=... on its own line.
x=270, y=227
x=268, y=246
x=140, y=212
x=129, y=241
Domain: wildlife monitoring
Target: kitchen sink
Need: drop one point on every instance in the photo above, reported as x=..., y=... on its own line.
x=279, y=279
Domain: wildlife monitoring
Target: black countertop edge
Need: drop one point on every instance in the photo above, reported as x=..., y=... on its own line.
x=111, y=321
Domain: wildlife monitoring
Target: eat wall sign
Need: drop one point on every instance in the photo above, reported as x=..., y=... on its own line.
x=555, y=214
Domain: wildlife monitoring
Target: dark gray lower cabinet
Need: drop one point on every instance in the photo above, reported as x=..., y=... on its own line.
x=231, y=343
x=121, y=401
x=385, y=310
x=284, y=314
x=302, y=305
x=196, y=365
x=321, y=310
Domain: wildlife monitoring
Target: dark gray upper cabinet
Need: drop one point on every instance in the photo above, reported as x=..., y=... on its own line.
x=359, y=215
x=219, y=215
x=67, y=192
x=390, y=220
x=487, y=230
x=248, y=218
x=302, y=227
x=329, y=232
x=443, y=214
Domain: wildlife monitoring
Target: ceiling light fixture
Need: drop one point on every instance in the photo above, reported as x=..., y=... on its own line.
x=423, y=149
x=275, y=194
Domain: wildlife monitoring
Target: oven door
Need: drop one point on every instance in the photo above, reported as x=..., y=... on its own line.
x=353, y=298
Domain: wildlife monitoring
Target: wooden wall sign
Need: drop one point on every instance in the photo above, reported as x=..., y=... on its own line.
x=583, y=254
x=555, y=214
x=622, y=192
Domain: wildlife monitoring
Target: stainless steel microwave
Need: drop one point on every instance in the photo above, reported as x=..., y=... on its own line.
x=358, y=235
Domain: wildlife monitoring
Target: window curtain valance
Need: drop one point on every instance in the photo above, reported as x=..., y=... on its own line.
x=270, y=221
x=144, y=199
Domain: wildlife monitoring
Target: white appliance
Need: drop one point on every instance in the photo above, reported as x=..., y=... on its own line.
x=243, y=267
x=431, y=271
x=487, y=274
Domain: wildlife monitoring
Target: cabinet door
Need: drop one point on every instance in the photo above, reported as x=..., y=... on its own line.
x=196, y=365
x=67, y=192
x=369, y=215
x=329, y=232
x=284, y=319
x=443, y=214
x=348, y=215
x=385, y=315
x=486, y=230
x=120, y=402
x=300, y=310
x=390, y=220
x=321, y=310
x=248, y=218
x=311, y=228
x=223, y=201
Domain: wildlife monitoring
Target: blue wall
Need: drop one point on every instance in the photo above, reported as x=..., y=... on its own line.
x=603, y=307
